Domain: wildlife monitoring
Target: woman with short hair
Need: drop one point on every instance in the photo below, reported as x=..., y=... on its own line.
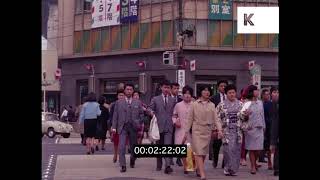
x=254, y=127
x=180, y=120
x=89, y=114
x=102, y=124
x=203, y=120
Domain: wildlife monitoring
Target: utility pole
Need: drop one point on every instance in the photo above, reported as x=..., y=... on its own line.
x=181, y=35
x=44, y=91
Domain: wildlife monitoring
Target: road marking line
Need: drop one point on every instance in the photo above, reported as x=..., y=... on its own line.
x=57, y=140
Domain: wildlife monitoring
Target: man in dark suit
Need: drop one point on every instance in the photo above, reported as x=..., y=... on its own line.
x=177, y=98
x=162, y=107
x=174, y=92
x=215, y=144
x=128, y=115
x=274, y=139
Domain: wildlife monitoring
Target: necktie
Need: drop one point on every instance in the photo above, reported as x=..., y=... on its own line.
x=165, y=101
x=223, y=97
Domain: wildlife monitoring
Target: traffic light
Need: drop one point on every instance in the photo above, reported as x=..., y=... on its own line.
x=168, y=58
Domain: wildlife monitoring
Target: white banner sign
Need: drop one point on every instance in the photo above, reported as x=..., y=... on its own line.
x=256, y=80
x=181, y=79
x=258, y=20
x=105, y=13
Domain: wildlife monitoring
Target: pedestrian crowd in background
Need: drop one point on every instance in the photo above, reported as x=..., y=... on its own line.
x=245, y=125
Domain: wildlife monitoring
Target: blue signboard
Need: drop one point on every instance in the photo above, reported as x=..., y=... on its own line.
x=129, y=10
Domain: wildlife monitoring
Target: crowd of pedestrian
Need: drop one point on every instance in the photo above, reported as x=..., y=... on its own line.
x=245, y=124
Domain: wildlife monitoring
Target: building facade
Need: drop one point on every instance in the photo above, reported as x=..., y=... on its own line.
x=50, y=56
x=220, y=52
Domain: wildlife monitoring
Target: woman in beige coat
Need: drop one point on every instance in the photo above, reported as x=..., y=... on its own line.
x=203, y=120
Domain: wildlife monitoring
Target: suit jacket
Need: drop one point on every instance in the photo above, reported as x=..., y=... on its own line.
x=163, y=115
x=216, y=99
x=123, y=113
x=177, y=98
x=274, y=113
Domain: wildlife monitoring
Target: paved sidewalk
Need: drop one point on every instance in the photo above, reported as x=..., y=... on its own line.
x=76, y=140
x=99, y=167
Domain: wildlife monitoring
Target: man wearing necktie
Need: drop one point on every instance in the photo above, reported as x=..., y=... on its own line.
x=174, y=94
x=215, y=143
x=127, y=117
x=162, y=107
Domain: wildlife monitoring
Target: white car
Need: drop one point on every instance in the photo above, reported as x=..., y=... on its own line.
x=51, y=126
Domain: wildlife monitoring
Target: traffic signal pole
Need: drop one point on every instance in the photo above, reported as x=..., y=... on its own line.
x=180, y=30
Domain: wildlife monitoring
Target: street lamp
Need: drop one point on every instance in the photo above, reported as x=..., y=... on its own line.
x=44, y=84
x=90, y=68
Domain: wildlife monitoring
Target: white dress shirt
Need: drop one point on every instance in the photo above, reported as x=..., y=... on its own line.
x=221, y=97
x=129, y=100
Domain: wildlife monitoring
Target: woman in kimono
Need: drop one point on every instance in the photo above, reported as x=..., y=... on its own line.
x=229, y=115
x=180, y=119
x=253, y=126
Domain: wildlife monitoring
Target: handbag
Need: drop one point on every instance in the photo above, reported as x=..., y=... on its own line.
x=190, y=166
x=154, y=134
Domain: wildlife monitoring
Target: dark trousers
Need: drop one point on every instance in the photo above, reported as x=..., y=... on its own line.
x=131, y=132
x=215, y=146
x=276, y=160
x=165, y=138
x=173, y=134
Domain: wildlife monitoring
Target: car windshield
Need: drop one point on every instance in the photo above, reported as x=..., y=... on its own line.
x=52, y=117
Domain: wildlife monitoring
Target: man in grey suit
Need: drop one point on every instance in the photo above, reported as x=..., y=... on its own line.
x=127, y=116
x=162, y=107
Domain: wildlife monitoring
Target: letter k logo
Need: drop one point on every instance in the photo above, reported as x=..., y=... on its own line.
x=247, y=19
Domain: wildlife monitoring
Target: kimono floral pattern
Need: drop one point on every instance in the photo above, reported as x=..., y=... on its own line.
x=228, y=113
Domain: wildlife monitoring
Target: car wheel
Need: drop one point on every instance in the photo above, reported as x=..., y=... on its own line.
x=51, y=133
x=66, y=135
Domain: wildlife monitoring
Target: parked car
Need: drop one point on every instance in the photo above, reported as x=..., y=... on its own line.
x=51, y=126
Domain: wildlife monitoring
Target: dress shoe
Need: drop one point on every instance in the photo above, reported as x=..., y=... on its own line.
x=132, y=162
x=168, y=170
x=214, y=165
x=114, y=160
x=158, y=169
x=123, y=169
x=198, y=174
x=179, y=163
x=171, y=162
x=226, y=173
x=263, y=161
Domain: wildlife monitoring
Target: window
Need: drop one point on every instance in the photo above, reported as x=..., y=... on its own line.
x=79, y=6
x=87, y=6
x=202, y=32
x=83, y=5
x=52, y=117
